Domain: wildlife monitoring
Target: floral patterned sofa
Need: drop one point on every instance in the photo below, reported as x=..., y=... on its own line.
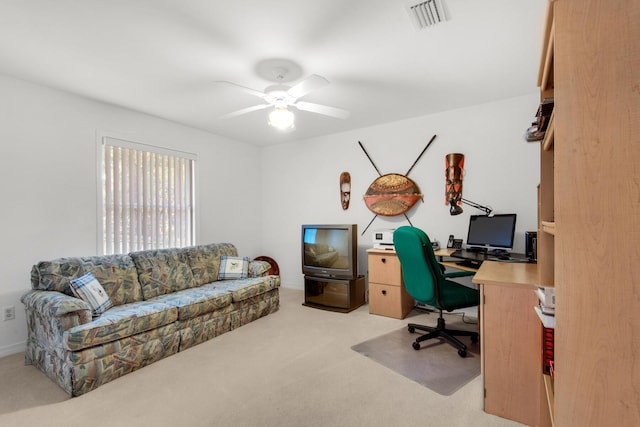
x=162, y=302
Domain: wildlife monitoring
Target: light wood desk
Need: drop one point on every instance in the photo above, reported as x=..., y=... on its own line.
x=446, y=252
x=510, y=337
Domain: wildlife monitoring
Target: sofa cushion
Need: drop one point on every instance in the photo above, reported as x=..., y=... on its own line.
x=89, y=290
x=129, y=345
x=116, y=273
x=196, y=301
x=233, y=267
x=163, y=271
x=242, y=289
x=120, y=322
x=205, y=260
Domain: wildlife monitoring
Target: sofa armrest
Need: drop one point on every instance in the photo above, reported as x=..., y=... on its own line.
x=50, y=313
x=56, y=304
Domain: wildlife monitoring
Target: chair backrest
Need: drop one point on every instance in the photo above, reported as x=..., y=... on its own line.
x=420, y=269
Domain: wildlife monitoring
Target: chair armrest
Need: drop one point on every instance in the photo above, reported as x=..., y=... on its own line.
x=459, y=274
x=50, y=313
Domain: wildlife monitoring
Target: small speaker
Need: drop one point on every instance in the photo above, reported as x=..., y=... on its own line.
x=531, y=245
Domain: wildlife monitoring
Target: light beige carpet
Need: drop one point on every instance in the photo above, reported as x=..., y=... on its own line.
x=436, y=365
x=292, y=368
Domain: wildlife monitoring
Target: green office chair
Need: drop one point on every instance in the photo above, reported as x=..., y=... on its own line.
x=425, y=280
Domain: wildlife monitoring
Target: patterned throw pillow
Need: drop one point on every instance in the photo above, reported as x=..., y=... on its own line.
x=88, y=289
x=258, y=268
x=233, y=267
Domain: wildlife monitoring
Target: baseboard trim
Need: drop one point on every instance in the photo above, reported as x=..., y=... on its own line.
x=8, y=350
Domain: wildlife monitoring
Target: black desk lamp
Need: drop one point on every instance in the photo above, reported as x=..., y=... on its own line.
x=455, y=209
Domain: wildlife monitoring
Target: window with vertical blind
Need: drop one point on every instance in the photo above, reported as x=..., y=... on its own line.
x=147, y=197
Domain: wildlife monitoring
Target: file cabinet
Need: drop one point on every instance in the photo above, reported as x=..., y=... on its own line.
x=387, y=294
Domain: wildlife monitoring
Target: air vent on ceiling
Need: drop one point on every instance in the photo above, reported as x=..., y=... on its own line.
x=427, y=13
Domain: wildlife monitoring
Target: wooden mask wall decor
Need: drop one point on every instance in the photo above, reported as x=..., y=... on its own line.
x=454, y=171
x=345, y=190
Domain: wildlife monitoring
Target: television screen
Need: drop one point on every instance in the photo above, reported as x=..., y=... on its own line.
x=329, y=250
x=491, y=232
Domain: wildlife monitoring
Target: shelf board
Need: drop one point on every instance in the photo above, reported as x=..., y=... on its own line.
x=548, y=227
x=545, y=74
x=547, y=142
x=548, y=386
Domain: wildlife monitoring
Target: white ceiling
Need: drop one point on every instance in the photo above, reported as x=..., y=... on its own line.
x=163, y=57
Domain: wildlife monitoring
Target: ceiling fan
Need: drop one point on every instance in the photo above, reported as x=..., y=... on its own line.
x=281, y=97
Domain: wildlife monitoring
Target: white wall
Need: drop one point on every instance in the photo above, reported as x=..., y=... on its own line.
x=48, y=189
x=255, y=198
x=300, y=181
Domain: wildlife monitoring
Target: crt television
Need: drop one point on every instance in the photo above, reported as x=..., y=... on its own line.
x=330, y=251
x=491, y=232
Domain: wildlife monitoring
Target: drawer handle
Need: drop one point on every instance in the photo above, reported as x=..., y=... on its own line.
x=384, y=292
x=383, y=260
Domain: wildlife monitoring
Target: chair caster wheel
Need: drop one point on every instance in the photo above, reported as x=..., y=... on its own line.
x=416, y=346
x=411, y=329
x=474, y=339
x=462, y=353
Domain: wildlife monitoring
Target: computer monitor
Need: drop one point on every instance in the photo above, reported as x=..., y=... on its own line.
x=491, y=232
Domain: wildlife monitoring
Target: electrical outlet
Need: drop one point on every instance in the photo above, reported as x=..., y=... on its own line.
x=8, y=313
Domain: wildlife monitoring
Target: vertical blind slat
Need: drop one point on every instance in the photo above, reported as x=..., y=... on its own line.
x=147, y=198
x=172, y=204
x=117, y=200
x=107, y=200
x=141, y=201
x=177, y=210
x=125, y=177
x=131, y=223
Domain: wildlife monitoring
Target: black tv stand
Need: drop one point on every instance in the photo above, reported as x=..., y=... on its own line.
x=342, y=295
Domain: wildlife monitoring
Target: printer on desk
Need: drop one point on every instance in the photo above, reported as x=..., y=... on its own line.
x=547, y=300
x=383, y=239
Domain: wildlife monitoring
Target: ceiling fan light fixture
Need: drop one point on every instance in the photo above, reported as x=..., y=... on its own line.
x=281, y=118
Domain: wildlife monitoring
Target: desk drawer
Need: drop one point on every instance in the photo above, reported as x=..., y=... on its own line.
x=385, y=268
x=389, y=300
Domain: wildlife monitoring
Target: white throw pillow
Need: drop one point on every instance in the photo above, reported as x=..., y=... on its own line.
x=233, y=267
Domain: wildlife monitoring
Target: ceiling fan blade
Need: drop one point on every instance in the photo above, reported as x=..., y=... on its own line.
x=243, y=88
x=309, y=84
x=322, y=109
x=245, y=111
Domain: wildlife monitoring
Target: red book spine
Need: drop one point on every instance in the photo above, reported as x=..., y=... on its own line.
x=547, y=350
